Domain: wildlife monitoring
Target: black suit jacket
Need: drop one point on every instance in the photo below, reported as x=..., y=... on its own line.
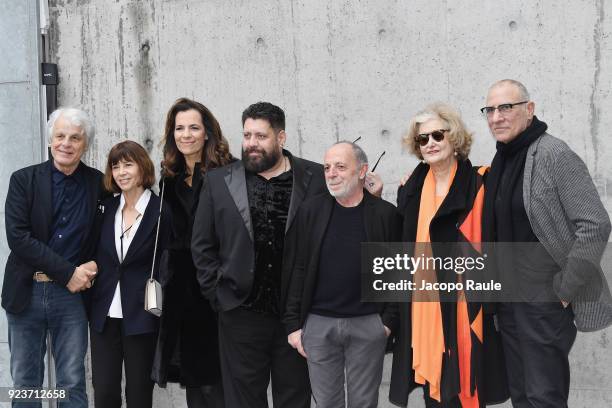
x=382, y=224
x=28, y=220
x=133, y=272
x=222, y=242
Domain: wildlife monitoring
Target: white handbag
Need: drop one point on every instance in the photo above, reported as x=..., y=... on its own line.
x=153, y=297
x=153, y=290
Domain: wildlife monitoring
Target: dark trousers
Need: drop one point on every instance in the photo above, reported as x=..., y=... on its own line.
x=432, y=403
x=253, y=348
x=537, y=338
x=206, y=396
x=110, y=350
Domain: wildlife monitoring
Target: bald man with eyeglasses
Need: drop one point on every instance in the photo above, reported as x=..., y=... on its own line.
x=541, y=199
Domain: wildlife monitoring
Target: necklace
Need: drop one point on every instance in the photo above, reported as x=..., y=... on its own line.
x=125, y=233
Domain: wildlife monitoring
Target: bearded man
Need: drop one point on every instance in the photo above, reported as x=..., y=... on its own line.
x=243, y=230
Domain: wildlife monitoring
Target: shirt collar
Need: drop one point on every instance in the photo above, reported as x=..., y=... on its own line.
x=141, y=204
x=285, y=176
x=59, y=177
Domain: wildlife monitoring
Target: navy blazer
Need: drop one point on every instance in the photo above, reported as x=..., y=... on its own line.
x=133, y=272
x=28, y=220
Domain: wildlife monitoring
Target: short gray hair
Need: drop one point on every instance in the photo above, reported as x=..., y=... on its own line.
x=76, y=117
x=523, y=93
x=360, y=155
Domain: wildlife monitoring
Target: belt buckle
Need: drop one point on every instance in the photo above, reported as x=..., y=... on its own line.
x=41, y=277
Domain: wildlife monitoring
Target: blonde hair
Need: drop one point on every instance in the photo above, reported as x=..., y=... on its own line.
x=458, y=136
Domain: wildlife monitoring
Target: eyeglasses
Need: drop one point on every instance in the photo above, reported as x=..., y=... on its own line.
x=503, y=108
x=423, y=138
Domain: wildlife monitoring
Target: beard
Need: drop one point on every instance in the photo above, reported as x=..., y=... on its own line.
x=266, y=161
x=347, y=189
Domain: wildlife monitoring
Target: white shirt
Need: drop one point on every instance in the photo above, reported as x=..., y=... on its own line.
x=141, y=205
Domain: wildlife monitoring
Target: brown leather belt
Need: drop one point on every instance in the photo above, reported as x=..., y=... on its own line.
x=41, y=277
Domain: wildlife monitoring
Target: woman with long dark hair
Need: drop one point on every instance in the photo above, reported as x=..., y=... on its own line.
x=187, y=348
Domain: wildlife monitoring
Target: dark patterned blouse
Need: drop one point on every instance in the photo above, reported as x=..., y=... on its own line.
x=269, y=204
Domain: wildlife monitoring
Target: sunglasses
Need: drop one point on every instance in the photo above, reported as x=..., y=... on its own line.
x=423, y=138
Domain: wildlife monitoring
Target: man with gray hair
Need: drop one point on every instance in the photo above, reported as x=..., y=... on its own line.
x=540, y=195
x=50, y=216
x=325, y=319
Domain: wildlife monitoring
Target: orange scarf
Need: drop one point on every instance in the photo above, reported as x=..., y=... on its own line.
x=427, y=329
x=427, y=332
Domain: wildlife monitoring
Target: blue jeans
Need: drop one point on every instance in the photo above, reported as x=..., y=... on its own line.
x=54, y=309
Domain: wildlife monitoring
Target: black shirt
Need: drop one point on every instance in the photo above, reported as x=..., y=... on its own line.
x=338, y=288
x=70, y=218
x=180, y=197
x=269, y=205
x=527, y=259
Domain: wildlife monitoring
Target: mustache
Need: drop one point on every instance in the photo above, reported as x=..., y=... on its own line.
x=254, y=150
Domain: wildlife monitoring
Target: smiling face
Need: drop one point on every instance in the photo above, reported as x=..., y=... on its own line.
x=127, y=175
x=68, y=143
x=261, y=145
x=436, y=153
x=189, y=133
x=342, y=171
x=506, y=126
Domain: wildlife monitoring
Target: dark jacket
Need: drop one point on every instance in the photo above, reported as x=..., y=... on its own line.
x=187, y=349
x=222, y=242
x=28, y=220
x=133, y=272
x=488, y=368
x=382, y=223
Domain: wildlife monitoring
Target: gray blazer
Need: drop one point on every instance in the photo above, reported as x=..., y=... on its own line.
x=569, y=219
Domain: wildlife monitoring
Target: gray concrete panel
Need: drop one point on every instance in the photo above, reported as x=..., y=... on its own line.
x=19, y=120
x=20, y=129
x=16, y=43
x=5, y=374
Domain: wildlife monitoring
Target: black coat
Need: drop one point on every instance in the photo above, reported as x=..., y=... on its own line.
x=488, y=365
x=222, y=242
x=187, y=349
x=133, y=272
x=28, y=219
x=382, y=223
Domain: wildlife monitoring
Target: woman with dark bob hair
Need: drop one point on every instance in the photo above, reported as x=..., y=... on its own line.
x=446, y=344
x=122, y=332
x=187, y=348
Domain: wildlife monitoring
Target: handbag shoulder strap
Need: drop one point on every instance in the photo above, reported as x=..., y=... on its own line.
x=161, y=205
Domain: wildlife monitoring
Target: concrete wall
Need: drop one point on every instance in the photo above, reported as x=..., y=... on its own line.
x=20, y=129
x=343, y=69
